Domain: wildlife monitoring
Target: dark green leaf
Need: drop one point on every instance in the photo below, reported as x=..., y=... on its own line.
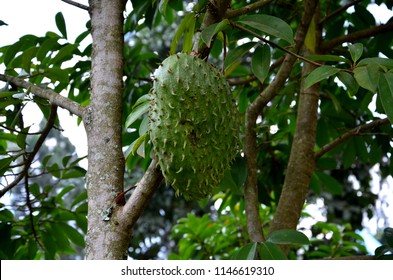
x=65, y=53
x=328, y=57
x=385, y=91
x=247, y=252
x=319, y=74
x=4, y=164
x=260, y=62
x=270, y=25
x=288, y=237
x=237, y=53
x=270, y=251
x=60, y=23
x=330, y=184
x=349, y=82
x=56, y=74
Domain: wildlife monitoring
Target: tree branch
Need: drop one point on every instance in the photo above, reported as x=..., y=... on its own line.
x=355, y=36
x=254, y=226
x=52, y=96
x=139, y=199
x=76, y=4
x=37, y=146
x=353, y=132
x=246, y=9
x=338, y=11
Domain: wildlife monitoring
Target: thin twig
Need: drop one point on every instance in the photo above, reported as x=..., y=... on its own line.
x=76, y=4
x=37, y=146
x=353, y=132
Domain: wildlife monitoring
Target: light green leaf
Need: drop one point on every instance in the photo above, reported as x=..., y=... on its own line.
x=209, y=32
x=288, y=237
x=367, y=76
x=385, y=91
x=136, y=146
x=356, y=51
x=270, y=25
x=247, y=252
x=260, y=62
x=186, y=25
x=136, y=113
x=319, y=74
x=60, y=23
x=270, y=251
x=311, y=41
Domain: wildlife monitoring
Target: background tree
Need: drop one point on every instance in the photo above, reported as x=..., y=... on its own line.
x=311, y=88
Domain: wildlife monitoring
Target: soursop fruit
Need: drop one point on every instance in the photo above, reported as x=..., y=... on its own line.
x=193, y=124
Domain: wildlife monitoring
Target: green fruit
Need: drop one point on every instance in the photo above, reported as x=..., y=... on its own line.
x=193, y=124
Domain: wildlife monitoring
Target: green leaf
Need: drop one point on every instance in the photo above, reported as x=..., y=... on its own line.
x=47, y=46
x=350, y=83
x=136, y=146
x=237, y=53
x=319, y=74
x=328, y=57
x=260, y=62
x=66, y=52
x=270, y=25
x=247, y=252
x=270, y=251
x=382, y=62
x=367, y=76
x=186, y=25
x=4, y=164
x=60, y=23
x=311, y=41
x=288, y=237
x=136, y=113
x=356, y=51
x=209, y=32
x=56, y=74
x=385, y=91
x=331, y=185
x=73, y=234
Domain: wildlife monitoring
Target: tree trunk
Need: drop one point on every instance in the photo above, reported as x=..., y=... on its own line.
x=103, y=122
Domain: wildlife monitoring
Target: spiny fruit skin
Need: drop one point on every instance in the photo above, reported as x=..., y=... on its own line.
x=193, y=124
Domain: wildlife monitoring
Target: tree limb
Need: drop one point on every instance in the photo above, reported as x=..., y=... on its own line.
x=250, y=149
x=338, y=11
x=76, y=4
x=355, y=36
x=353, y=132
x=37, y=146
x=139, y=199
x=52, y=96
x=246, y=9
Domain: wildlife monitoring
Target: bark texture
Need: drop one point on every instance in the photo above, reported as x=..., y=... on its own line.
x=254, y=226
x=103, y=123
